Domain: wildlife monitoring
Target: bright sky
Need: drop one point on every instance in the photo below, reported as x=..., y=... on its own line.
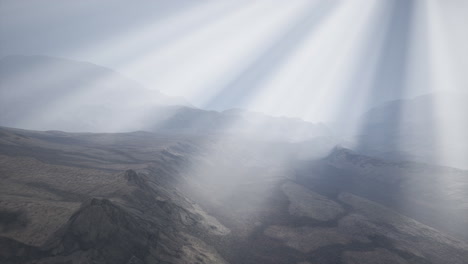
x=303, y=58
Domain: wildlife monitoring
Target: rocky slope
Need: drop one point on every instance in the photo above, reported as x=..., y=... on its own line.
x=165, y=198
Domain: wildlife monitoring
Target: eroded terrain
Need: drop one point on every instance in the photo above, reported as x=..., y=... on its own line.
x=154, y=198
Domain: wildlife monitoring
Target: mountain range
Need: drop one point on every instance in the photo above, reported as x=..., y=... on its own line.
x=44, y=93
x=95, y=168
x=430, y=128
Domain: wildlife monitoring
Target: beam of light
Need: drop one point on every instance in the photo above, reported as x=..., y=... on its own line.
x=389, y=77
x=173, y=61
x=74, y=103
x=197, y=67
x=310, y=59
x=298, y=88
x=181, y=54
x=179, y=46
x=431, y=127
x=449, y=82
x=265, y=64
x=216, y=51
x=222, y=183
x=134, y=46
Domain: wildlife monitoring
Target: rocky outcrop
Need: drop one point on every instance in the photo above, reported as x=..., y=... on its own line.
x=104, y=232
x=137, y=222
x=136, y=179
x=169, y=206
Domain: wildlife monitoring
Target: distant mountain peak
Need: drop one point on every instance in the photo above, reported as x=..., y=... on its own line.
x=62, y=94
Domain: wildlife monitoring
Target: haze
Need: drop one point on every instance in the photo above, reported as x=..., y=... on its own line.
x=242, y=132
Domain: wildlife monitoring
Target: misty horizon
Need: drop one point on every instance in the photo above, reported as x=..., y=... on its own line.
x=234, y=132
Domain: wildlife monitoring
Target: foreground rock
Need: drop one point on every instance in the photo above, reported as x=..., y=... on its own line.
x=104, y=232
